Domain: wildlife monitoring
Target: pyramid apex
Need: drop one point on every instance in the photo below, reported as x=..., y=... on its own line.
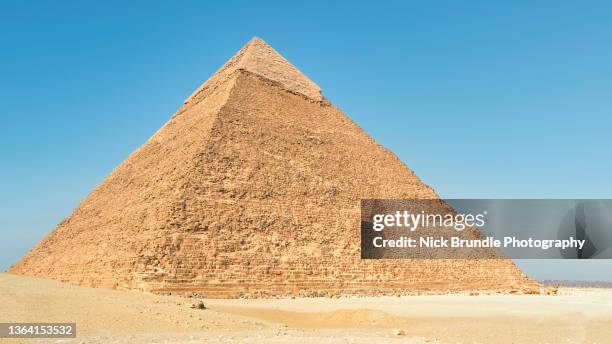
x=257, y=39
x=258, y=57
x=257, y=43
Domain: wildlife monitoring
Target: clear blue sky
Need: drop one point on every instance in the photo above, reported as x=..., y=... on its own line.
x=481, y=99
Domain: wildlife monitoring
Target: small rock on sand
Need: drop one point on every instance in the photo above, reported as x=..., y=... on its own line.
x=198, y=305
x=398, y=332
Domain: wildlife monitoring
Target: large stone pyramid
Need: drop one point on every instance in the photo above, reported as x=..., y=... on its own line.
x=252, y=188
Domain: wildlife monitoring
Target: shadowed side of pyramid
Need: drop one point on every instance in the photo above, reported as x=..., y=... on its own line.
x=253, y=187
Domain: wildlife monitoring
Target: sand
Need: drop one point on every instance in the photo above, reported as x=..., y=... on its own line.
x=107, y=316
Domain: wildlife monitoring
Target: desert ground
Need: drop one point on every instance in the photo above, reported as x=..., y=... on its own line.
x=108, y=316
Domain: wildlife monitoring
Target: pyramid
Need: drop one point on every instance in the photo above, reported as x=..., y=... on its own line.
x=252, y=188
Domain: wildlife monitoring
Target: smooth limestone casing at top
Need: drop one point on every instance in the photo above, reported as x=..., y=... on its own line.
x=252, y=188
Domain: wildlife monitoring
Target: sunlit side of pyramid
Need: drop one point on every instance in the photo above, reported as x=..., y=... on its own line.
x=252, y=188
